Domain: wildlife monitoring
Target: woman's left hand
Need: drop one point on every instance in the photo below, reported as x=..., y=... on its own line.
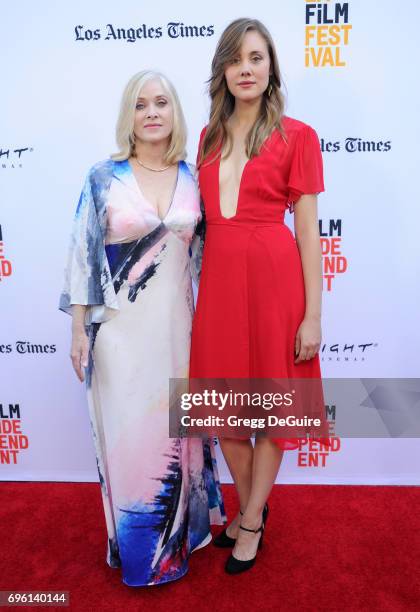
x=308, y=340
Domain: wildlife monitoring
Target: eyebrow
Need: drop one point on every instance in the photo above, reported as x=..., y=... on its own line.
x=140, y=99
x=249, y=53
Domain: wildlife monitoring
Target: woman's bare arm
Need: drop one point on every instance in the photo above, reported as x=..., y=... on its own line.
x=308, y=338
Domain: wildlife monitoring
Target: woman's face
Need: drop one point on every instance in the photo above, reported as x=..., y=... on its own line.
x=154, y=116
x=248, y=73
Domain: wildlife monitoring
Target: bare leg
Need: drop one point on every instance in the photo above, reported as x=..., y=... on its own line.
x=266, y=462
x=238, y=455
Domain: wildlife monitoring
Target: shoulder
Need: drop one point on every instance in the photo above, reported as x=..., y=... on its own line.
x=98, y=182
x=295, y=128
x=101, y=170
x=300, y=138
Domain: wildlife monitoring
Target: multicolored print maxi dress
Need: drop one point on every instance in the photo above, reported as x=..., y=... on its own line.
x=132, y=270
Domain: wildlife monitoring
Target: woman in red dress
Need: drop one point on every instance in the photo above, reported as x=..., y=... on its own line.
x=259, y=302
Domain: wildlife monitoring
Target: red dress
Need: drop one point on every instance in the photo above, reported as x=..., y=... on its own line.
x=251, y=298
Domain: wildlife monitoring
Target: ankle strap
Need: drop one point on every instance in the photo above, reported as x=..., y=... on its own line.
x=252, y=530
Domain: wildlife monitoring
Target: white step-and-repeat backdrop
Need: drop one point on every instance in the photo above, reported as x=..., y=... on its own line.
x=351, y=72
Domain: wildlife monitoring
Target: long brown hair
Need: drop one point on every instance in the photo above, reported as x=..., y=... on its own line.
x=223, y=103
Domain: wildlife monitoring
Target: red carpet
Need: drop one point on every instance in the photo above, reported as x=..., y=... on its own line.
x=326, y=548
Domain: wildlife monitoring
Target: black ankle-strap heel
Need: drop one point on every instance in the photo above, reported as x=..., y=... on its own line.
x=236, y=566
x=225, y=541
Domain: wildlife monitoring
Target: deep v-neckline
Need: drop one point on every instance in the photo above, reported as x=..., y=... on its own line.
x=136, y=182
x=244, y=169
x=219, y=162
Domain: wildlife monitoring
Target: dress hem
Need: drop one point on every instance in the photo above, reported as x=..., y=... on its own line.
x=148, y=584
x=203, y=544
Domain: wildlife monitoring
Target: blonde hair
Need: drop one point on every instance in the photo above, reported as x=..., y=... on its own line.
x=223, y=102
x=125, y=124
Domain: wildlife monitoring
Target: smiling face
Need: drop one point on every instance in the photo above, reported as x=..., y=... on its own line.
x=154, y=116
x=247, y=75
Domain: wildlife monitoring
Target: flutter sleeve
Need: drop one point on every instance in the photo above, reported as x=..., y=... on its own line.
x=306, y=170
x=197, y=244
x=87, y=277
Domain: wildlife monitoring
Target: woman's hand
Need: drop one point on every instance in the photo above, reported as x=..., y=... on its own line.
x=79, y=352
x=308, y=339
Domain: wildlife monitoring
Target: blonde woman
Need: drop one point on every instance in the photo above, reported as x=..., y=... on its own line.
x=128, y=287
x=259, y=303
